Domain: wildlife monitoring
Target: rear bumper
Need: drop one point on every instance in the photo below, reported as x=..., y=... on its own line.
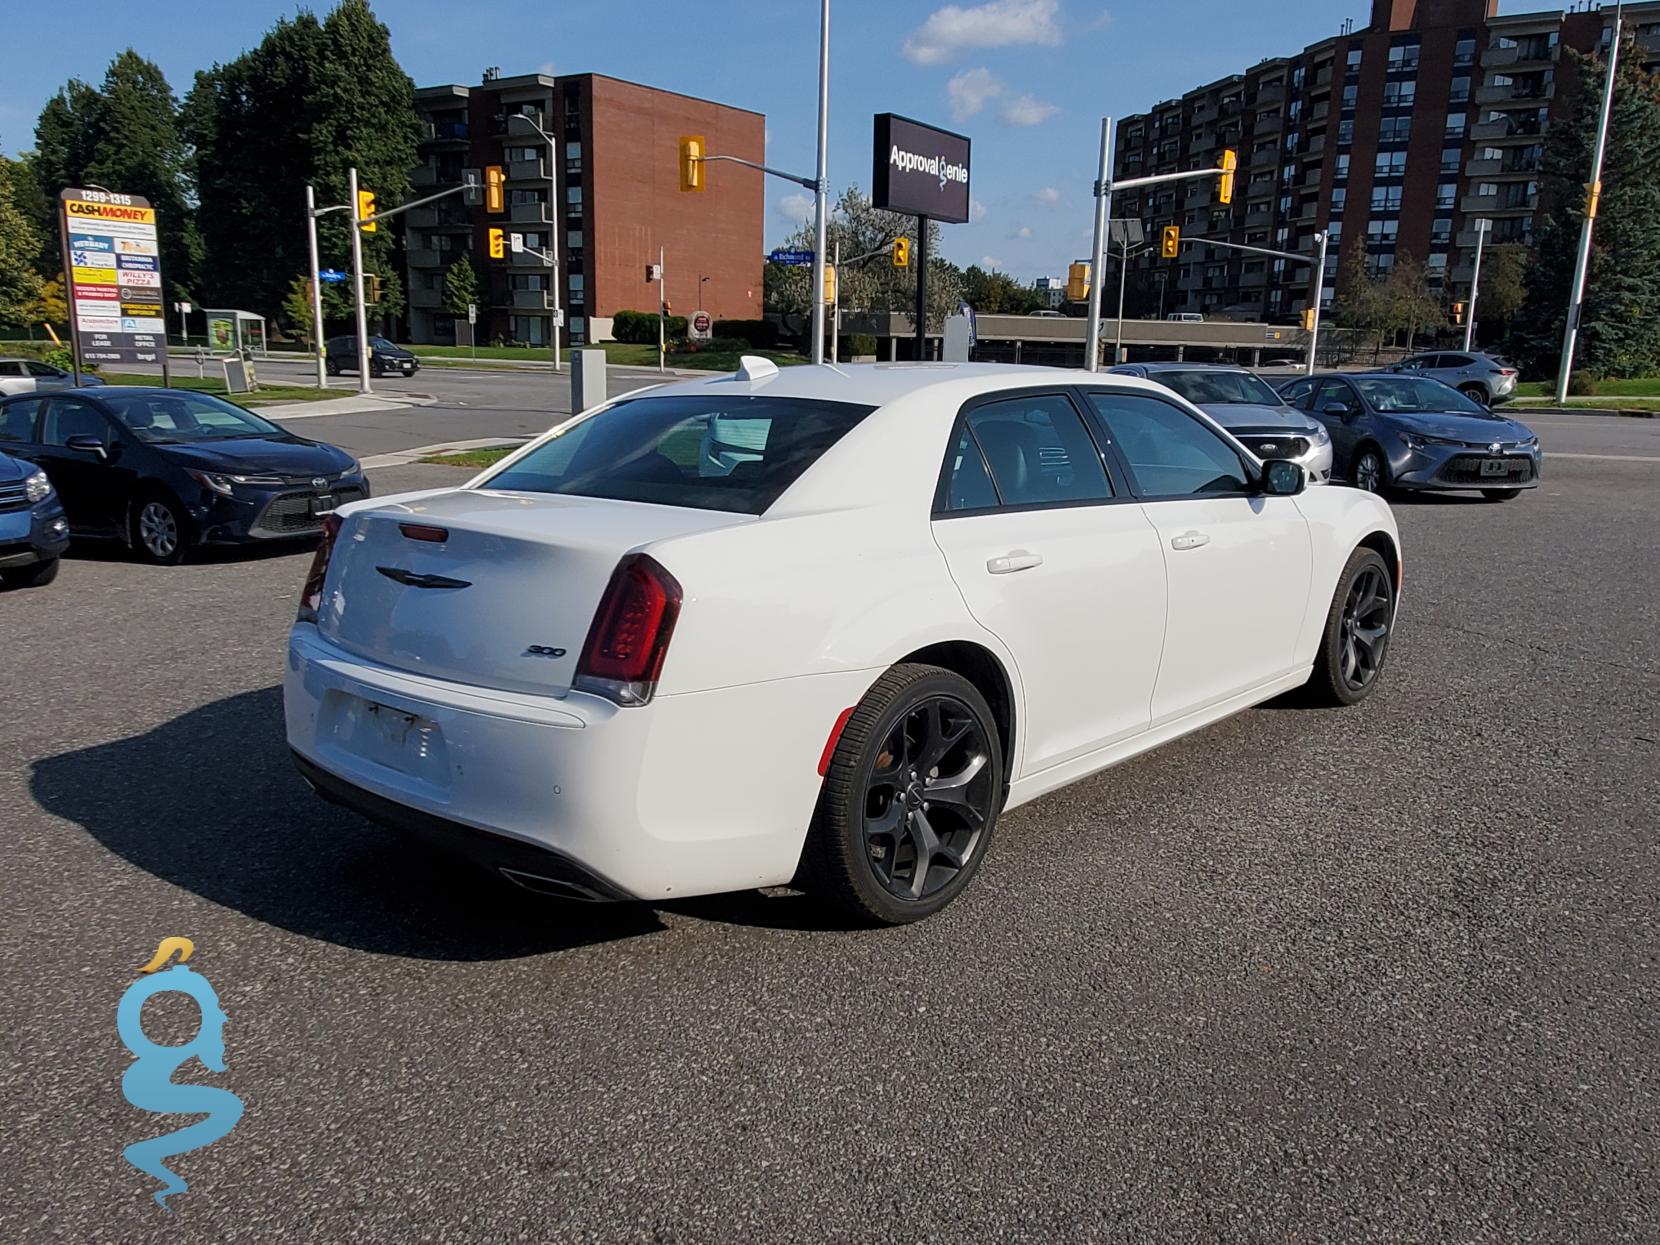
x=692, y=794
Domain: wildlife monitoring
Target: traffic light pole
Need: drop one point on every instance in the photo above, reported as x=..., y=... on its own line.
x=1482, y=226
x=316, y=287
x=363, y=385
x=1593, y=192
x=1319, y=262
x=554, y=217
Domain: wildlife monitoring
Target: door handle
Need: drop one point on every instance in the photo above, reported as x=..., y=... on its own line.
x=1014, y=560
x=1189, y=540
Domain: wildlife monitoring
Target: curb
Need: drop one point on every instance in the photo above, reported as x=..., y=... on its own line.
x=403, y=458
x=1623, y=412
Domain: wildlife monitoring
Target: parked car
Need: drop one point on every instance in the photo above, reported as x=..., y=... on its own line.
x=385, y=358
x=166, y=469
x=935, y=594
x=1250, y=408
x=1483, y=378
x=35, y=376
x=1186, y=317
x=1408, y=432
x=33, y=530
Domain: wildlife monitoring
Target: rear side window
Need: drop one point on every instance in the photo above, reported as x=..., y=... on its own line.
x=1038, y=451
x=17, y=419
x=1170, y=453
x=699, y=451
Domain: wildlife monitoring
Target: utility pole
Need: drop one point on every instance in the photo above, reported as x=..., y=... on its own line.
x=1593, y=192
x=316, y=287
x=1482, y=227
x=363, y=385
x=662, y=307
x=821, y=190
x=836, y=319
x=1097, y=250
x=555, y=216
x=1123, y=272
x=1317, y=298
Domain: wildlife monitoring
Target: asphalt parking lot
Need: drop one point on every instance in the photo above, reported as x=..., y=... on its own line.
x=1384, y=974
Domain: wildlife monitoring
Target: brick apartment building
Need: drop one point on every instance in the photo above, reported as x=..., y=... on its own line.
x=1396, y=138
x=618, y=200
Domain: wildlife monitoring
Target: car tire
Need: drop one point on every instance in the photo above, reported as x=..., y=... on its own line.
x=1369, y=471
x=1501, y=494
x=36, y=576
x=1355, y=643
x=1476, y=393
x=877, y=817
x=331, y=367
x=155, y=518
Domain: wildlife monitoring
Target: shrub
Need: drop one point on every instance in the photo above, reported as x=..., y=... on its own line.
x=1582, y=384
x=862, y=343
x=762, y=334
x=634, y=326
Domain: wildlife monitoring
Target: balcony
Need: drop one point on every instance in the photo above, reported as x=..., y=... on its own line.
x=1315, y=150
x=1481, y=204
x=1267, y=158
x=1260, y=190
x=529, y=300
x=529, y=214
x=527, y=170
x=442, y=132
x=1313, y=176
x=1518, y=58
x=1252, y=280
x=1534, y=93
x=525, y=259
x=423, y=258
x=1304, y=213
x=1271, y=93
x=1505, y=129
x=437, y=218
x=1466, y=239
x=419, y=297
x=1482, y=168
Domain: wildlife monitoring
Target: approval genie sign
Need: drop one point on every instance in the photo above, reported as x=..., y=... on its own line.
x=920, y=170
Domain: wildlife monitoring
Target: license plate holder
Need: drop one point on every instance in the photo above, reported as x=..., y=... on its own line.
x=1495, y=467
x=323, y=505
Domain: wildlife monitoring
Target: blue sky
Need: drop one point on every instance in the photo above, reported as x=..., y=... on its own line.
x=1028, y=80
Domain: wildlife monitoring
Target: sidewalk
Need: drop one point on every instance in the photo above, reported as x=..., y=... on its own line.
x=353, y=404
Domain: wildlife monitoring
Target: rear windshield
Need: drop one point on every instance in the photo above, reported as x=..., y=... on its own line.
x=1204, y=388
x=700, y=451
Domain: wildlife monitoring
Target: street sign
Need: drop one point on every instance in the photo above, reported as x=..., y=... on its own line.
x=701, y=326
x=654, y=272
x=516, y=242
x=919, y=169
x=472, y=313
x=793, y=259
x=331, y=276
x=183, y=308
x=558, y=315
x=112, y=264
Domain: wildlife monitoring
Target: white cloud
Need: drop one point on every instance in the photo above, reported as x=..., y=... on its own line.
x=953, y=29
x=546, y=67
x=1047, y=195
x=1025, y=231
x=1027, y=110
x=1102, y=20
x=969, y=91
x=793, y=209
x=976, y=210
x=990, y=261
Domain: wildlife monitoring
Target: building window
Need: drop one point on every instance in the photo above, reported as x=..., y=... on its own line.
x=573, y=239
x=1339, y=196
x=1464, y=52
x=526, y=196
x=1460, y=92
x=440, y=242
x=1354, y=58
x=1436, y=262
x=1383, y=263
x=1345, y=133
x=531, y=329
x=1386, y=198
x=1382, y=232
x=1394, y=129
x=515, y=154
x=1446, y=194
x=1391, y=164
x=573, y=150
x=1455, y=125
x=579, y=329
x=1440, y=231
x=527, y=281
x=432, y=280
x=574, y=282
x=1400, y=94
x=1341, y=170
x=1350, y=94
x=573, y=197
x=1403, y=59
x=1450, y=158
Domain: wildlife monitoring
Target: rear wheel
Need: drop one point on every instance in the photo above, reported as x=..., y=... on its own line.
x=1475, y=393
x=1500, y=494
x=1369, y=472
x=1356, y=639
x=331, y=367
x=910, y=799
x=36, y=576
x=159, y=530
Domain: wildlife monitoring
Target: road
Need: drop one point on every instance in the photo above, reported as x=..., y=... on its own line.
x=1382, y=974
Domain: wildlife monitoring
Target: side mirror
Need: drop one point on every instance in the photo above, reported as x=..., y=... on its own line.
x=84, y=443
x=1341, y=409
x=1283, y=478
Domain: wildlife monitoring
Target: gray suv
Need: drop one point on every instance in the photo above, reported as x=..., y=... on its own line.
x=1483, y=378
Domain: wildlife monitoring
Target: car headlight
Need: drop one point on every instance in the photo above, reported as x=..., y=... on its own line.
x=224, y=483
x=1417, y=441
x=1318, y=435
x=37, y=487
x=353, y=468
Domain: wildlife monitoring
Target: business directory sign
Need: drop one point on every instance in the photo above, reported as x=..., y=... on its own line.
x=112, y=267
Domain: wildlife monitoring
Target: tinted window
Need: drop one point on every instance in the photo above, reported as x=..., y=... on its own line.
x=70, y=417
x=8, y=368
x=1219, y=388
x=1297, y=393
x=703, y=451
x=17, y=419
x=175, y=416
x=968, y=486
x=1455, y=360
x=1039, y=451
x=1398, y=395
x=1171, y=454
x=46, y=369
x=1334, y=391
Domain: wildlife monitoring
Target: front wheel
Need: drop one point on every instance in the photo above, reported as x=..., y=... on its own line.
x=1368, y=472
x=1355, y=643
x=1500, y=494
x=36, y=576
x=159, y=531
x=331, y=367
x=910, y=798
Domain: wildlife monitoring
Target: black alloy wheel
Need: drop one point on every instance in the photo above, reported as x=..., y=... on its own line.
x=910, y=799
x=1358, y=626
x=1369, y=473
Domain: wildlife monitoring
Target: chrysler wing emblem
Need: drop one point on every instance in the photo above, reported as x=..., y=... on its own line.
x=413, y=579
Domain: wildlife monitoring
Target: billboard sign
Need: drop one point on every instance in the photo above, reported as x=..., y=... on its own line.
x=114, y=274
x=920, y=170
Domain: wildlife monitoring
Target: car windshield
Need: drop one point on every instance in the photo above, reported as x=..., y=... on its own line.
x=169, y=418
x=1408, y=395
x=702, y=451
x=1218, y=388
x=380, y=343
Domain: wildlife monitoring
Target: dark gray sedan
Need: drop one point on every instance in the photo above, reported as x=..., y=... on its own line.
x=1404, y=432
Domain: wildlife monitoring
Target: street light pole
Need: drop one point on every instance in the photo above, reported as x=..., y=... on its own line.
x=316, y=287
x=1593, y=192
x=555, y=216
x=1475, y=286
x=821, y=191
x=1097, y=250
x=363, y=385
x=1323, y=237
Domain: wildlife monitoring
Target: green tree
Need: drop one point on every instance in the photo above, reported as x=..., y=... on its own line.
x=1619, y=332
x=1409, y=301
x=1361, y=303
x=1503, y=287
x=994, y=293
x=460, y=286
x=20, y=284
x=296, y=309
x=343, y=101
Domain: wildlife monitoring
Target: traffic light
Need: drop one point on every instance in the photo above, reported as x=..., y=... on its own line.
x=1077, y=282
x=829, y=283
x=374, y=289
x=1170, y=241
x=498, y=243
x=1593, y=195
x=1458, y=313
x=1308, y=319
x=691, y=162
x=495, y=194
x=901, y=252
x=1224, y=184
x=366, y=210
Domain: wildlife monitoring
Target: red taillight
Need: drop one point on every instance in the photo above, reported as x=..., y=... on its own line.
x=630, y=634
x=311, y=596
x=1507, y=371
x=420, y=531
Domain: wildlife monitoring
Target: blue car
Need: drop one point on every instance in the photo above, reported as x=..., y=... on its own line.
x=167, y=469
x=34, y=531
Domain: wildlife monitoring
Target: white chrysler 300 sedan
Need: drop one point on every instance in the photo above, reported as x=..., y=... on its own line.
x=820, y=625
